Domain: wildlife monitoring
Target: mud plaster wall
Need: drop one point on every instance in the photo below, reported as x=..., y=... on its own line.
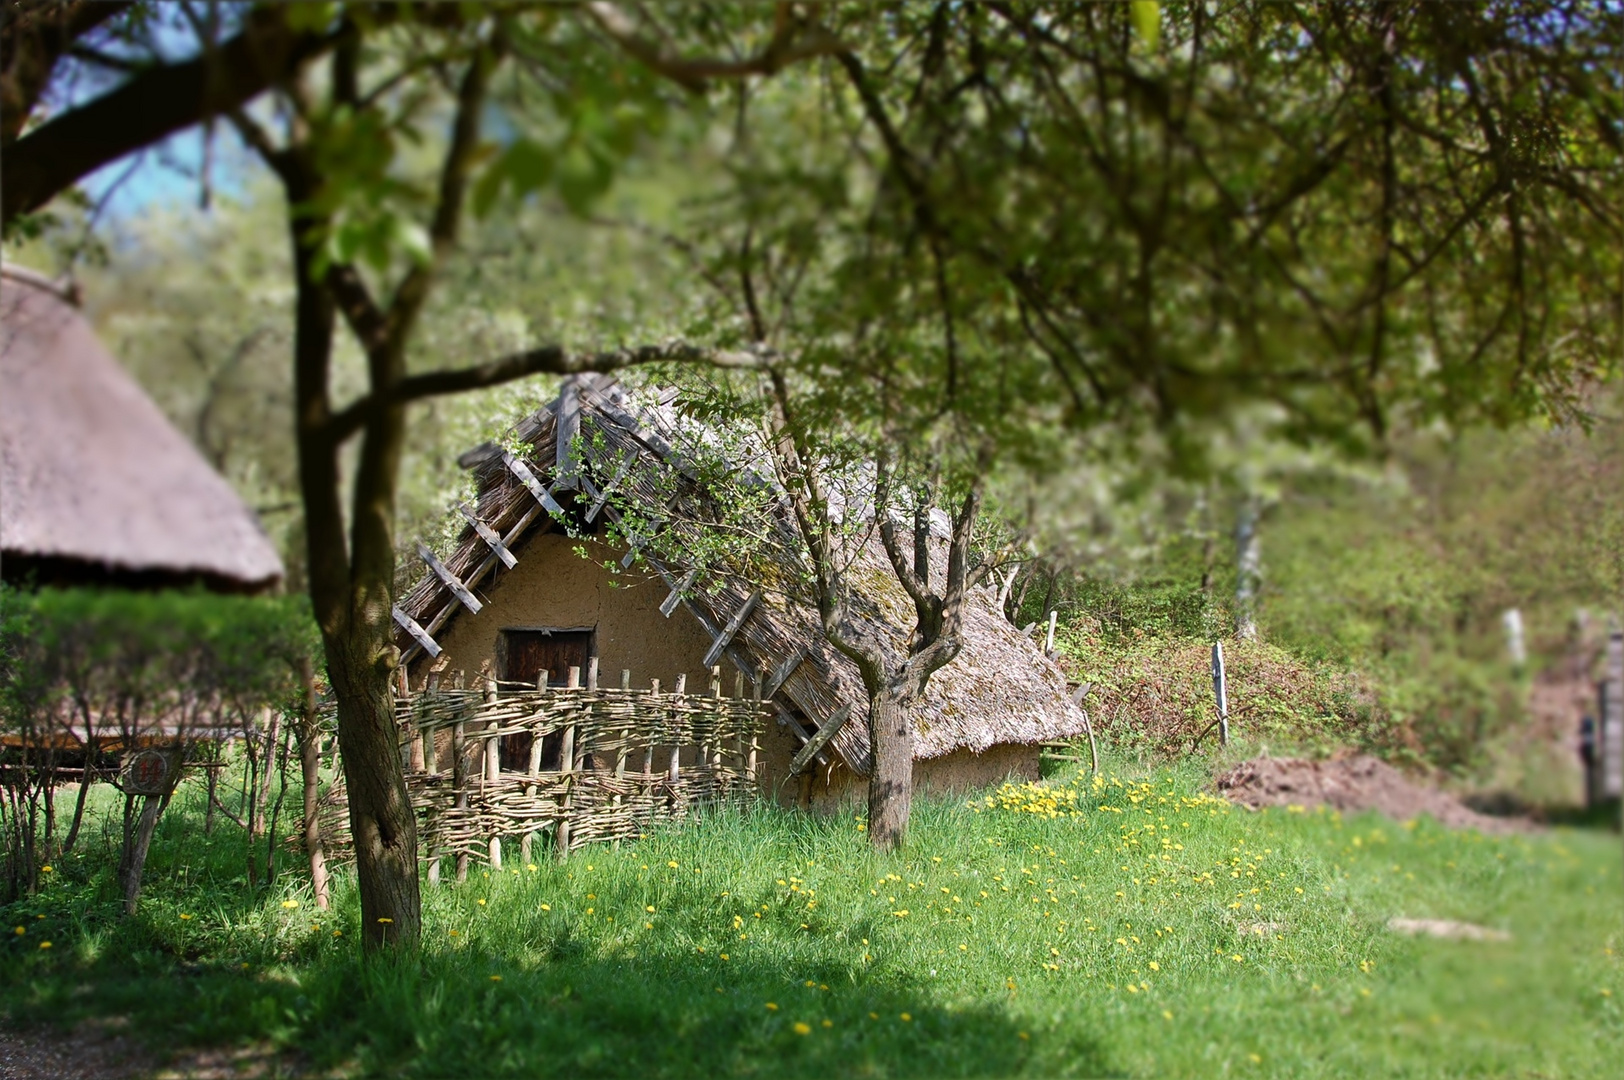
x=554, y=588
x=830, y=789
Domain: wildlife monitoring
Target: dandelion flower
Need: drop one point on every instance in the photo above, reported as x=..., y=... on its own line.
x=546, y=907
x=45, y=944
x=496, y=978
x=672, y=864
x=1167, y=1014
x=21, y=930
x=1154, y=966
x=724, y=956
x=480, y=901
x=45, y=869
x=1023, y=1036
x=772, y=1006
x=290, y=904
x=386, y=920
x=184, y=916
x=802, y=1028
x=907, y=1018
x=649, y=908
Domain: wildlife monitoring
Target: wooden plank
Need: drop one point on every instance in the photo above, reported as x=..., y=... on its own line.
x=566, y=464
x=528, y=479
x=816, y=743
x=730, y=629
x=473, y=579
x=450, y=580
x=602, y=497
x=489, y=535
x=420, y=635
x=801, y=733
x=669, y=604
x=782, y=672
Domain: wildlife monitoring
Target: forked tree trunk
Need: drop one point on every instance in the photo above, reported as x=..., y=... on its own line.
x=890, y=783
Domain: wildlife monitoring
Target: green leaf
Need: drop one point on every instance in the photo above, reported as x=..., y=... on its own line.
x=488, y=188
x=1147, y=22
x=582, y=177
x=529, y=166
x=414, y=240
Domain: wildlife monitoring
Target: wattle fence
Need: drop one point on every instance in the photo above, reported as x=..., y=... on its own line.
x=569, y=765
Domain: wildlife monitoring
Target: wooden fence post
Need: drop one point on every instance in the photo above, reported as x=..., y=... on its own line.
x=1220, y=690
x=755, y=715
x=566, y=765
x=459, y=783
x=527, y=843
x=493, y=765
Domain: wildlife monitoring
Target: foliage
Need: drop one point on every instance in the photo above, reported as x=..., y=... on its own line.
x=78, y=666
x=775, y=937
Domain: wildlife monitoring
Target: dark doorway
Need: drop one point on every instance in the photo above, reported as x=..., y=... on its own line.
x=522, y=655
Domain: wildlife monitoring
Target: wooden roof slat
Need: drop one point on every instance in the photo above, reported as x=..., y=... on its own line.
x=491, y=538
x=787, y=718
x=669, y=604
x=451, y=581
x=528, y=479
x=732, y=627
x=820, y=738
x=420, y=635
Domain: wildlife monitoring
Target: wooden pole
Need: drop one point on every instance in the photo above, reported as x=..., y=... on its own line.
x=1612, y=725
x=459, y=783
x=1048, y=638
x=527, y=844
x=566, y=765
x=1220, y=689
x=750, y=754
x=493, y=768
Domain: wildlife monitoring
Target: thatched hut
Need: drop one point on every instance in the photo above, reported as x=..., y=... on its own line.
x=96, y=485
x=514, y=597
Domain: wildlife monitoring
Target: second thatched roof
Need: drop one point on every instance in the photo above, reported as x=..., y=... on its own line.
x=92, y=474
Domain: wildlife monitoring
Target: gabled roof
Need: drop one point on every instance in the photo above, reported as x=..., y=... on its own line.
x=1000, y=688
x=91, y=472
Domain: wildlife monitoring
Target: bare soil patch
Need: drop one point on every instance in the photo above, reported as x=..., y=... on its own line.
x=1352, y=785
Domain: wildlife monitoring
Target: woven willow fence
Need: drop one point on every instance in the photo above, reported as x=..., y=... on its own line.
x=626, y=759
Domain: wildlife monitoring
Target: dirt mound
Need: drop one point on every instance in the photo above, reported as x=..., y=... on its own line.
x=1351, y=785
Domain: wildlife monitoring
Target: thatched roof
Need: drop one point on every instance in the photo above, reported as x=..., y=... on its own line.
x=1000, y=689
x=92, y=473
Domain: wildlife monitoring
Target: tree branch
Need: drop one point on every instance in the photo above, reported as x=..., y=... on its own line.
x=794, y=39
x=149, y=106
x=546, y=360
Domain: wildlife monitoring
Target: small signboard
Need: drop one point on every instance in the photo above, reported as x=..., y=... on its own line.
x=151, y=772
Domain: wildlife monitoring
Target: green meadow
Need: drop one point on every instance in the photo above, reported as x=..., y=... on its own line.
x=1124, y=926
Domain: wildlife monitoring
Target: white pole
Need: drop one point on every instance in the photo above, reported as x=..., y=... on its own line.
x=1220, y=690
x=1048, y=641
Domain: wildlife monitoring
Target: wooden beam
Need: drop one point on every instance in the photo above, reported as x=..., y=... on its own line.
x=780, y=674
x=730, y=629
x=420, y=635
x=528, y=479
x=825, y=732
x=489, y=535
x=801, y=733
x=450, y=580
x=669, y=604
x=568, y=427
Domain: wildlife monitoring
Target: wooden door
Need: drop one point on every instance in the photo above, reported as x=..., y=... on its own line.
x=525, y=654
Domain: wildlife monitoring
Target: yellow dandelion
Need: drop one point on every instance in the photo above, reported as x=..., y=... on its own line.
x=772, y=1006
x=1154, y=966
x=649, y=908
x=546, y=907
x=480, y=901
x=45, y=944
x=290, y=904
x=907, y=1018
x=184, y=916
x=496, y=978
x=802, y=1028
x=21, y=930
x=45, y=869
x=672, y=864
x=724, y=956
x=828, y=1023
x=1167, y=1014
x=386, y=920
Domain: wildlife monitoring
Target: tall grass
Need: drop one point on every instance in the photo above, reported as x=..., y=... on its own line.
x=1130, y=927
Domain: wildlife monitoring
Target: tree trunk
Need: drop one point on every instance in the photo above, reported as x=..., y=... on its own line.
x=890, y=783
x=310, y=768
x=135, y=860
x=381, y=819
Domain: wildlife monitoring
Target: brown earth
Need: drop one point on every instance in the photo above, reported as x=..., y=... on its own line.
x=1351, y=785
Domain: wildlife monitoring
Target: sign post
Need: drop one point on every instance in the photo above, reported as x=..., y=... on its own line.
x=1220, y=690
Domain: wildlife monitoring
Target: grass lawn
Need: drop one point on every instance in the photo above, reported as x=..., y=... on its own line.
x=1129, y=927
